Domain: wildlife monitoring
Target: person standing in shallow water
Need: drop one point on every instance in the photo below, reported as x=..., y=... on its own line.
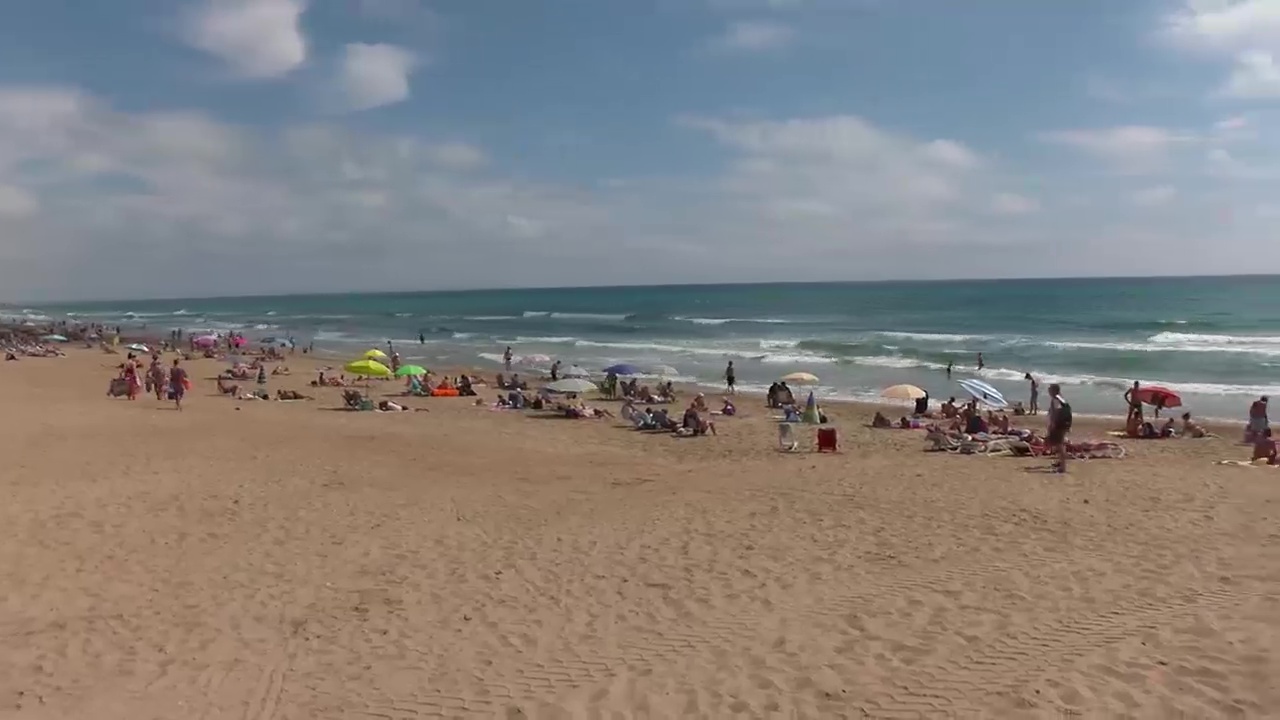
x=731, y=379
x=1034, y=406
x=981, y=363
x=951, y=364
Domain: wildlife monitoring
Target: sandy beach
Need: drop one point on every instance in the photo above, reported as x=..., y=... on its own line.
x=287, y=560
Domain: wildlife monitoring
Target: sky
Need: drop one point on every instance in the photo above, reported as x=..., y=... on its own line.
x=178, y=148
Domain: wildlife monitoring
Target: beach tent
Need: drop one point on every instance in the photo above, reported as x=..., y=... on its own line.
x=810, y=415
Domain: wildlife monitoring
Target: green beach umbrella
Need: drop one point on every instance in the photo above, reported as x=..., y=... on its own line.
x=411, y=370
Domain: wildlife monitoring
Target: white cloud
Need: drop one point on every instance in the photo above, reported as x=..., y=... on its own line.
x=258, y=39
x=1157, y=196
x=1255, y=76
x=457, y=155
x=1012, y=204
x=371, y=76
x=1130, y=148
x=1225, y=26
x=754, y=36
x=219, y=208
x=17, y=203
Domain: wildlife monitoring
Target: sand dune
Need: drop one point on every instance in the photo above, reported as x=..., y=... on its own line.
x=278, y=560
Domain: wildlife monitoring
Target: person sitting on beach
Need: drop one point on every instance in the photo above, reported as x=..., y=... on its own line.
x=225, y=389
x=500, y=382
x=728, y=409
x=1001, y=424
x=1018, y=409
x=880, y=421
x=1192, y=429
x=646, y=396
x=771, y=397
x=1265, y=448
x=629, y=411
x=699, y=403
x=10, y=357
x=280, y=370
x=1167, y=430
x=1133, y=423
x=464, y=387
x=666, y=392
x=949, y=409
x=516, y=383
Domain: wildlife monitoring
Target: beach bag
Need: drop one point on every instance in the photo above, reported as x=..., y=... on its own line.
x=1064, y=415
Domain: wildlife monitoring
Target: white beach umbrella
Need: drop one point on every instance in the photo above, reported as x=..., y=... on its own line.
x=574, y=371
x=571, y=386
x=800, y=378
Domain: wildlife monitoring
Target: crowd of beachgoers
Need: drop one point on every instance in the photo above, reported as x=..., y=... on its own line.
x=986, y=422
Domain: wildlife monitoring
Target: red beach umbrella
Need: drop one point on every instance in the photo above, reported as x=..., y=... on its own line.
x=1161, y=396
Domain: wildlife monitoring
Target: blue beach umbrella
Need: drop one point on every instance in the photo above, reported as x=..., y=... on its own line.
x=983, y=392
x=623, y=369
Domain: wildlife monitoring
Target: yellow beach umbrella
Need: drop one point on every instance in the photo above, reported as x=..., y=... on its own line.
x=374, y=354
x=903, y=392
x=367, y=368
x=800, y=378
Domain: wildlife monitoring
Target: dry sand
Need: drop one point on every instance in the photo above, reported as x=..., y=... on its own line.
x=281, y=560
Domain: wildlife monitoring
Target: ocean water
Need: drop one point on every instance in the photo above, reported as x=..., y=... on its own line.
x=1215, y=340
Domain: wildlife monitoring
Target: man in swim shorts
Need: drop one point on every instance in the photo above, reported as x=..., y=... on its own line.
x=1059, y=426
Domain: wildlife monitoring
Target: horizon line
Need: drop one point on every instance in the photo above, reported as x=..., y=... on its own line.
x=552, y=288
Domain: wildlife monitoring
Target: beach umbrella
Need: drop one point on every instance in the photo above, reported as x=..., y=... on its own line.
x=903, y=392
x=984, y=392
x=54, y=338
x=574, y=371
x=1159, y=396
x=533, y=360
x=374, y=354
x=367, y=368
x=623, y=369
x=664, y=371
x=206, y=341
x=139, y=347
x=571, y=386
x=800, y=378
x=411, y=370
x=810, y=416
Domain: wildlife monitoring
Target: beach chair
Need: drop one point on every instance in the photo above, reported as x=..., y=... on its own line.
x=787, y=438
x=828, y=440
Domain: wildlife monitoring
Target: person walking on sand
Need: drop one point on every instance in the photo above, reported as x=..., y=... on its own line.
x=177, y=383
x=506, y=359
x=731, y=379
x=1059, y=426
x=555, y=371
x=981, y=363
x=1033, y=408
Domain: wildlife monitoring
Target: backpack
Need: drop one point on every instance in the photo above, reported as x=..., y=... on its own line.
x=1064, y=414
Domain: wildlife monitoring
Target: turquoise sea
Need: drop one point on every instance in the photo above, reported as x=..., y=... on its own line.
x=1215, y=340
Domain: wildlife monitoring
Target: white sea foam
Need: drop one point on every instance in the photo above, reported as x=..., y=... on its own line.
x=1191, y=339
x=488, y=318
x=932, y=337
x=725, y=321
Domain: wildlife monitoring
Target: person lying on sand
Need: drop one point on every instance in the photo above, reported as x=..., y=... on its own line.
x=291, y=395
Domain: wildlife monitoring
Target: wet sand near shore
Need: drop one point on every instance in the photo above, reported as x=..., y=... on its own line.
x=291, y=560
